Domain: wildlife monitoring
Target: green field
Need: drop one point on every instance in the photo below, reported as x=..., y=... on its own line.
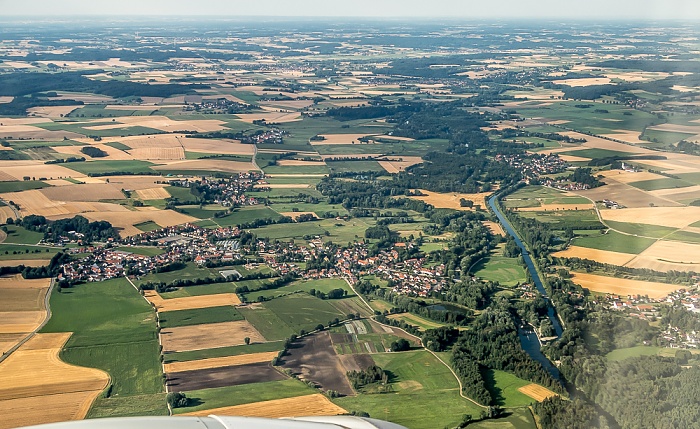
x=504, y=389
x=348, y=166
x=622, y=354
x=105, y=167
x=301, y=311
x=204, y=212
x=691, y=237
x=247, y=214
x=506, y=271
x=643, y=229
x=266, y=322
x=596, y=153
x=272, y=346
x=148, y=226
x=206, y=399
x=420, y=322
x=191, y=271
x=615, y=242
x=19, y=235
x=20, y=252
x=513, y=419
x=21, y=186
x=423, y=393
x=129, y=406
x=656, y=184
x=323, y=285
x=208, y=289
x=562, y=219
x=114, y=330
x=198, y=316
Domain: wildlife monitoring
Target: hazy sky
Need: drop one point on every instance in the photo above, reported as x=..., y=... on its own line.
x=577, y=9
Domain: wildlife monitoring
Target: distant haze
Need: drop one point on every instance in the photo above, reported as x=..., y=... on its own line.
x=495, y=9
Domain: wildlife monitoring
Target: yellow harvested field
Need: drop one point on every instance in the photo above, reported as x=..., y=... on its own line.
x=130, y=107
x=18, y=322
x=207, y=165
x=226, y=146
x=618, y=286
x=31, y=132
x=589, y=81
x=6, y=213
x=669, y=255
x=270, y=117
x=158, y=153
x=294, y=162
x=536, y=392
x=572, y=158
x=25, y=262
x=674, y=217
x=51, y=111
x=400, y=164
x=35, y=202
x=556, y=207
x=37, y=387
x=220, y=362
x=166, y=124
x=308, y=405
x=605, y=256
x=83, y=192
x=190, y=302
x=494, y=227
x=37, y=410
x=289, y=104
x=209, y=336
x=671, y=192
x=7, y=341
x=6, y=99
x=626, y=136
x=629, y=177
x=132, y=182
x=127, y=219
x=674, y=128
x=153, y=194
x=450, y=200
x=332, y=139
x=295, y=215
x=17, y=170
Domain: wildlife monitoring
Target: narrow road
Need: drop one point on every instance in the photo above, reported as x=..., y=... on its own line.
x=47, y=305
x=420, y=341
x=14, y=210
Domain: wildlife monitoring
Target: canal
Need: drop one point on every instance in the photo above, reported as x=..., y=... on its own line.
x=528, y=339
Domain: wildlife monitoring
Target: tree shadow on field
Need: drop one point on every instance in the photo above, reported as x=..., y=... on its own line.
x=496, y=393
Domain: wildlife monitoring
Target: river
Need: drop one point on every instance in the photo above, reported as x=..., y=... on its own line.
x=528, y=339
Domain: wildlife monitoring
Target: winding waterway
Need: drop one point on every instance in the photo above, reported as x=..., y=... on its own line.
x=528, y=339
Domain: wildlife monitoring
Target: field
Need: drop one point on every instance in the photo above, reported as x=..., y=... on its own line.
x=619, y=286
x=301, y=311
x=171, y=319
x=671, y=217
x=505, y=389
x=615, y=242
x=669, y=255
x=252, y=348
x=536, y=392
x=309, y=405
x=189, y=303
x=119, y=338
x=313, y=358
x=608, y=257
x=37, y=387
x=211, y=378
x=423, y=393
x=451, y=200
x=208, y=336
x=422, y=323
x=506, y=271
x=21, y=308
x=244, y=359
x=521, y=418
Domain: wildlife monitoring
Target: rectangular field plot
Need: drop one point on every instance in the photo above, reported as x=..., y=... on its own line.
x=309, y=405
x=254, y=348
x=615, y=242
x=266, y=322
x=213, y=335
x=171, y=319
x=223, y=376
x=207, y=399
x=623, y=287
x=301, y=311
x=218, y=362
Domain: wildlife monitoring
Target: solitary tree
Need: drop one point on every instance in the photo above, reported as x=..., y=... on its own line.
x=247, y=340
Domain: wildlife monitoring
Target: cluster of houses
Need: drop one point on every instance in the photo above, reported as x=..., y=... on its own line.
x=534, y=166
x=226, y=192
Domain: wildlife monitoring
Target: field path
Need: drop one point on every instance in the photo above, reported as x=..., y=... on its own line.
x=420, y=341
x=29, y=336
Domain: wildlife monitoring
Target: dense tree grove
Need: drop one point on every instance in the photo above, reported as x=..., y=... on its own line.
x=77, y=227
